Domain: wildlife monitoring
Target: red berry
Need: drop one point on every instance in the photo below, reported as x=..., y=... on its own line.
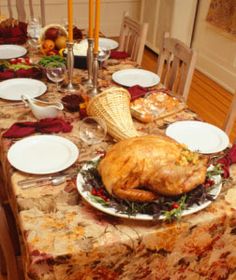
x=13, y=61
x=208, y=183
x=94, y=192
x=175, y=205
x=27, y=60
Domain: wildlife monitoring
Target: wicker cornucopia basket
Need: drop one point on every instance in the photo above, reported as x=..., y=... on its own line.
x=113, y=106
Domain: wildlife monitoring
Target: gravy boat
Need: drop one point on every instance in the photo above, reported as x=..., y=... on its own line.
x=42, y=109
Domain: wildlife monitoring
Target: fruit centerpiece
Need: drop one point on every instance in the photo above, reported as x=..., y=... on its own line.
x=52, y=39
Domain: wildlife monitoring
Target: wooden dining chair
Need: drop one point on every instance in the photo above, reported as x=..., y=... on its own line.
x=8, y=262
x=21, y=9
x=176, y=63
x=231, y=116
x=132, y=38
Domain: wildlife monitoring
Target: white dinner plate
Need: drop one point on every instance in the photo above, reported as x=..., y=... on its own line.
x=85, y=192
x=11, y=51
x=132, y=77
x=13, y=89
x=199, y=136
x=103, y=43
x=42, y=154
x=108, y=43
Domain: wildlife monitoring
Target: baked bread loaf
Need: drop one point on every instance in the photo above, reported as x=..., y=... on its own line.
x=142, y=168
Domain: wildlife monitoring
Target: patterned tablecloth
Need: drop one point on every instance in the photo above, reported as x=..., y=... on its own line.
x=65, y=238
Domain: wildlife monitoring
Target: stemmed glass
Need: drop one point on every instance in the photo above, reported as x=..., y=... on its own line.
x=103, y=55
x=92, y=130
x=33, y=31
x=56, y=72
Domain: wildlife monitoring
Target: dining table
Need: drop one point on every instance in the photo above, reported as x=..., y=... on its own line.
x=62, y=236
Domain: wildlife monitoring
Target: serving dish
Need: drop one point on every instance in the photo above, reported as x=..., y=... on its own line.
x=156, y=105
x=111, y=206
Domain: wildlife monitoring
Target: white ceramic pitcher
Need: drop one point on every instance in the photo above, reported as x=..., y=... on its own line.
x=42, y=109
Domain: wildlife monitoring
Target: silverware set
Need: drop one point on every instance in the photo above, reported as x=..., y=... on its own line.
x=42, y=181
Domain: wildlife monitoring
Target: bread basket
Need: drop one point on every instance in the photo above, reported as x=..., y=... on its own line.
x=113, y=106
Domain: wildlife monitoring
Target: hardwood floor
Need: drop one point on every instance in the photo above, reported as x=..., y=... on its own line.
x=206, y=97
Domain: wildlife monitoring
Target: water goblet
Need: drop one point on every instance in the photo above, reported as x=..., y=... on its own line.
x=103, y=55
x=92, y=130
x=55, y=72
x=34, y=28
x=33, y=45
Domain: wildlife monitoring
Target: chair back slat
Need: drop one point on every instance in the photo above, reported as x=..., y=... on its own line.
x=20, y=8
x=231, y=116
x=9, y=6
x=132, y=38
x=31, y=8
x=43, y=14
x=176, y=64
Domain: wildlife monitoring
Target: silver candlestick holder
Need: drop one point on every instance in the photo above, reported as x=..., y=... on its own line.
x=94, y=91
x=89, y=81
x=70, y=87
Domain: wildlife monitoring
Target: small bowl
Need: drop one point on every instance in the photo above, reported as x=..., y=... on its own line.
x=80, y=61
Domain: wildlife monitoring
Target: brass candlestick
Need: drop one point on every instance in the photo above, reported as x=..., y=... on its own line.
x=94, y=91
x=89, y=81
x=70, y=87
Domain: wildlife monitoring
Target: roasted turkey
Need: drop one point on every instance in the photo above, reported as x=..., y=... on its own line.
x=142, y=168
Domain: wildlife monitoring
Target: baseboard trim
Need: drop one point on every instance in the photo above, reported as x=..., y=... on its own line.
x=216, y=72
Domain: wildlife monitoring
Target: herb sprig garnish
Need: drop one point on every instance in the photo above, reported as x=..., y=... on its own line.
x=169, y=207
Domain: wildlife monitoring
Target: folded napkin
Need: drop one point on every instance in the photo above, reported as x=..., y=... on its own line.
x=118, y=54
x=49, y=125
x=137, y=91
x=227, y=160
x=33, y=72
x=14, y=35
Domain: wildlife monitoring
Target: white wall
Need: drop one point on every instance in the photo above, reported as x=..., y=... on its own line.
x=216, y=51
x=173, y=16
x=111, y=12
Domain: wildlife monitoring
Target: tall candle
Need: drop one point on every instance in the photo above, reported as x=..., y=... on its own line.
x=70, y=20
x=97, y=26
x=91, y=8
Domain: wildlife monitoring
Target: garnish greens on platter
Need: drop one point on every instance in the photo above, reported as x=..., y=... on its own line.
x=91, y=188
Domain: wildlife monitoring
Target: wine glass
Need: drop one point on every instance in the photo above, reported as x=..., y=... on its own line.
x=103, y=55
x=34, y=28
x=92, y=130
x=33, y=44
x=55, y=72
x=33, y=31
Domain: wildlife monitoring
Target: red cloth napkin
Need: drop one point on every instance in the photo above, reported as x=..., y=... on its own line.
x=118, y=54
x=227, y=160
x=137, y=91
x=14, y=35
x=49, y=125
x=33, y=72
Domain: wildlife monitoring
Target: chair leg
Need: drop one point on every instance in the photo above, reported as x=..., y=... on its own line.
x=7, y=249
x=3, y=267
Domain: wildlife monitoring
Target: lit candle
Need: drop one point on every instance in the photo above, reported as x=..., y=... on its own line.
x=70, y=20
x=97, y=26
x=91, y=8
